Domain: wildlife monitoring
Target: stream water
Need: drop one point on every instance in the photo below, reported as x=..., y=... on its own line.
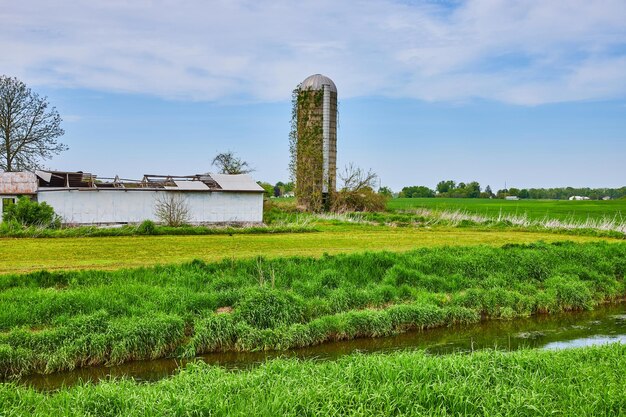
x=606, y=324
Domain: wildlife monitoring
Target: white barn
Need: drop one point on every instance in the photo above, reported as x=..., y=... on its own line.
x=83, y=199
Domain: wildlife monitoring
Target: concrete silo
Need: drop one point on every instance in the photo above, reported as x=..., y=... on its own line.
x=316, y=146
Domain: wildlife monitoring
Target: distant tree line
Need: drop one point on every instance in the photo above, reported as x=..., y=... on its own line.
x=448, y=188
x=473, y=189
x=280, y=189
x=564, y=193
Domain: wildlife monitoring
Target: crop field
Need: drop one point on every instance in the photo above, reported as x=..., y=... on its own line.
x=579, y=382
x=28, y=254
x=52, y=321
x=563, y=210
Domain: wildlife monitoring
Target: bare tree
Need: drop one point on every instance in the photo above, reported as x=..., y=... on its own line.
x=355, y=179
x=228, y=163
x=172, y=209
x=358, y=192
x=28, y=128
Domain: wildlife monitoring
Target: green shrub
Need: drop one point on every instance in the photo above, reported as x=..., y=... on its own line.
x=10, y=227
x=213, y=333
x=571, y=293
x=330, y=279
x=31, y=213
x=147, y=227
x=268, y=308
x=461, y=315
x=364, y=199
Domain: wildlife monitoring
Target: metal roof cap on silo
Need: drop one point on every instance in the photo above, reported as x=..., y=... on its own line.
x=316, y=82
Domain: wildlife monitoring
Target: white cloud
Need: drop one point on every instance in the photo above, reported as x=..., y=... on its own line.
x=528, y=52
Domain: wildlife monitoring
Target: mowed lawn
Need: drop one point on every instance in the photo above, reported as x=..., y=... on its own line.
x=28, y=254
x=533, y=209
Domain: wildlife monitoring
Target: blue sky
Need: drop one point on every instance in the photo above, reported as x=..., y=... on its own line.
x=530, y=93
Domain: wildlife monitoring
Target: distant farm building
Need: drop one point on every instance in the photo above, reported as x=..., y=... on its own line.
x=511, y=197
x=578, y=197
x=81, y=198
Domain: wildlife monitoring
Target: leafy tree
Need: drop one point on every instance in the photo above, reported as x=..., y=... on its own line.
x=228, y=163
x=417, y=191
x=472, y=190
x=28, y=127
x=285, y=187
x=386, y=191
x=282, y=188
x=269, y=188
x=289, y=187
x=488, y=192
x=462, y=190
x=445, y=186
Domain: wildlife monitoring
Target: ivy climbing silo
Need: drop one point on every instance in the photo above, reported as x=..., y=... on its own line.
x=315, y=112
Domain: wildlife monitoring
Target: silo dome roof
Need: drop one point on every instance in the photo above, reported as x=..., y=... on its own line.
x=316, y=81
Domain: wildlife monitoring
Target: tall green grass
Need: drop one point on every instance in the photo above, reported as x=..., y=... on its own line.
x=52, y=321
x=147, y=228
x=614, y=227
x=576, y=382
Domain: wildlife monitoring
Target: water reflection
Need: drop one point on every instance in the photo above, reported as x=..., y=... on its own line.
x=588, y=341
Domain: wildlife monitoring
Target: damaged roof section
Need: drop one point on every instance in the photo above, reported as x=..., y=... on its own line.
x=65, y=179
x=30, y=183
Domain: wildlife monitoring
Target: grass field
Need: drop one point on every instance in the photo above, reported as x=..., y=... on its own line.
x=580, y=382
x=57, y=321
x=564, y=210
x=103, y=301
x=24, y=255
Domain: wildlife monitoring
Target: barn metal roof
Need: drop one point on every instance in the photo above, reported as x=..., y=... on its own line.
x=31, y=183
x=189, y=186
x=17, y=183
x=240, y=182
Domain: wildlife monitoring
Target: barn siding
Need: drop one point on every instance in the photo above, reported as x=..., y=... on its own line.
x=134, y=206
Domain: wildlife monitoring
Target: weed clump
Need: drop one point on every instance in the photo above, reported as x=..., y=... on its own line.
x=268, y=308
x=147, y=227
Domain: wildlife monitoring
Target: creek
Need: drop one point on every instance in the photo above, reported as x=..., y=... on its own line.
x=605, y=324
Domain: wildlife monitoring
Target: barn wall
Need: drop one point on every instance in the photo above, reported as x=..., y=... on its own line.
x=134, y=206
